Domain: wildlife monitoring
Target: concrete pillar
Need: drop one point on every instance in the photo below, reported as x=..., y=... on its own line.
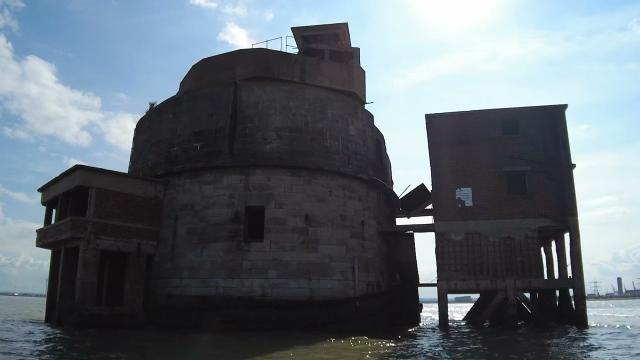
x=548, y=258
x=87, y=274
x=511, y=318
x=579, y=293
x=443, y=307
x=48, y=214
x=561, y=254
x=52, y=285
x=91, y=203
x=61, y=207
x=550, y=304
x=66, y=300
x=565, y=308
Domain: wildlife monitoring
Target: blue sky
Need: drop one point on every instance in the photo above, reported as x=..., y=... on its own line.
x=76, y=75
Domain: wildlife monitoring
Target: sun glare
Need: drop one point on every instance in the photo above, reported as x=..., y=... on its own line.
x=454, y=16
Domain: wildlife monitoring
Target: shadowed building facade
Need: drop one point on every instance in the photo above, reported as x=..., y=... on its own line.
x=503, y=199
x=255, y=197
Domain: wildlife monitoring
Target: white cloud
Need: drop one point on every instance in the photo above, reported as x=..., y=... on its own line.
x=239, y=9
x=71, y=161
x=7, y=7
x=624, y=262
x=120, y=98
x=582, y=43
x=31, y=90
x=210, y=4
x=634, y=25
x=582, y=132
x=232, y=9
x=268, y=15
x=23, y=267
x=600, y=201
x=235, y=36
x=15, y=133
x=490, y=56
x=7, y=20
x=15, y=4
x=605, y=213
x=19, y=196
x=453, y=16
x=607, y=195
x=118, y=129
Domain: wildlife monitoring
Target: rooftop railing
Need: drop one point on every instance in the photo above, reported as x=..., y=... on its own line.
x=282, y=43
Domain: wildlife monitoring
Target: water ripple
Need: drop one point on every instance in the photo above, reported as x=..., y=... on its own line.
x=613, y=334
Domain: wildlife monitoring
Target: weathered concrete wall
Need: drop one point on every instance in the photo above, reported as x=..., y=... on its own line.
x=260, y=122
x=270, y=64
x=289, y=133
x=321, y=235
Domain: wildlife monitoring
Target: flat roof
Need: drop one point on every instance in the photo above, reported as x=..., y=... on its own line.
x=517, y=108
x=336, y=34
x=79, y=167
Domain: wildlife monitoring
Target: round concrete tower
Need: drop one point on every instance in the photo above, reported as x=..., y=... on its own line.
x=278, y=186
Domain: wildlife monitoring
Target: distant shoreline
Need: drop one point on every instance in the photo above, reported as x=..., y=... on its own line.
x=424, y=301
x=435, y=301
x=17, y=294
x=604, y=298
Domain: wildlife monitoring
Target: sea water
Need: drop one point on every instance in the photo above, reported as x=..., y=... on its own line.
x=614, y=334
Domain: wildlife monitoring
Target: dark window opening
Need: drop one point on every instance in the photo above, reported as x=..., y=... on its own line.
x=112, y=273
x=517, y=182
x=50, y=212
x=78, y=202
x=510, y=127
x=254, y=224
x=74, y=202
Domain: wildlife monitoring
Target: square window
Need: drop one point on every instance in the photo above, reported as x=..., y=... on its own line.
x=254, y=224
x=517, y=182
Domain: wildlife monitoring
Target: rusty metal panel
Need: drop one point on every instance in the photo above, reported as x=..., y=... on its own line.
x=415, y=200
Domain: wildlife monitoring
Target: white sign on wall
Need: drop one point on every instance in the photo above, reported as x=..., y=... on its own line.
x=464, y=197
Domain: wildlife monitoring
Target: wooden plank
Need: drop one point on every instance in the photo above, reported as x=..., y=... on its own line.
x=427, y=284
x=415, y=213
x=523, y=285
x=415, y=228
x=443, y=308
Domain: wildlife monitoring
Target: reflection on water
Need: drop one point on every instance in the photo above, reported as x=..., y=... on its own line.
x=613, y=334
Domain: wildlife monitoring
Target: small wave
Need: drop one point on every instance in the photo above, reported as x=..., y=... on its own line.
x=613, y=315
